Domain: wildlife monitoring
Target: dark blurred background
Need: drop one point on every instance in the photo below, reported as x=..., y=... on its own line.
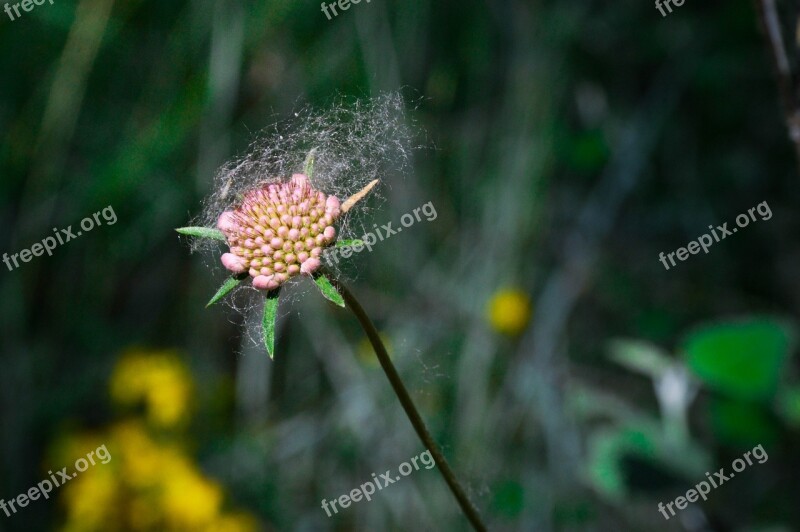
x=573, y=382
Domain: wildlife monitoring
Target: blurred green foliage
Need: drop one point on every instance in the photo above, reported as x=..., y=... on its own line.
x=744, y=360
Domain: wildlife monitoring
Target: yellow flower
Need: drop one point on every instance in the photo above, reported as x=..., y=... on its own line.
x=141, y=459
x=190, y=500
x=151, y=483
x=509, y=311
x=89, y=499
x=159, y=379
x=167, y=396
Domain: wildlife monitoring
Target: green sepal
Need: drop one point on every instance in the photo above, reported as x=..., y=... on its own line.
x=229, y=284
x=328, y=290
x=308, y=167
x=270, y=315
x=203, y=232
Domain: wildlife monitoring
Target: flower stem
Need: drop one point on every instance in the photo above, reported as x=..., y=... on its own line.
x=408, y=405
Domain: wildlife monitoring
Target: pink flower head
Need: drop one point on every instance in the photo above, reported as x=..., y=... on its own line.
x=279, y=231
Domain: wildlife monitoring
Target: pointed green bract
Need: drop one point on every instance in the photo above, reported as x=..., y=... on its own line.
x=349, y=243
x=308, y=168
x=270, y=314
x=328, y=290
x=202, y=232
x=229, y=284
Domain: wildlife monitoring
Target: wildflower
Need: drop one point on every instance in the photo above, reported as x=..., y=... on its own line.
x=354, y=146
x=509, y=311
x=152, y=483
x=87, y=496
x=88, y=500
x=159, y=379
x=190, y=500
x=279, y=231
x=279, y=206
x=141, y=458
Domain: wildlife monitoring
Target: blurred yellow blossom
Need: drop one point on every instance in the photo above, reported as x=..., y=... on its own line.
x=190, y=500
x=159, y=379
x=140, y=459
x=509, y=311
x=151, y=484
x=89, y=499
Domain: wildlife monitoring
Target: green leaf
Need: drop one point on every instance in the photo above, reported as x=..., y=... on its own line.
x=308, y=167
x=349, y=243
x=229, y=284
x=203, y=232
x=270, y=314
x=328, y=290
x=743, y=359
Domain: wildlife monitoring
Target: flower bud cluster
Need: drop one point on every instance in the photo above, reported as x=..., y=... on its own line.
x=279, y=231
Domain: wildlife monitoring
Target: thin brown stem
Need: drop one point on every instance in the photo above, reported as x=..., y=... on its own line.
x=771, y=27
x=408, y=405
